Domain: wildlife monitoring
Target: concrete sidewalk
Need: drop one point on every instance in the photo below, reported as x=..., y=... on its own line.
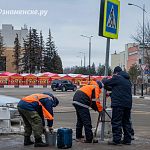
x=15, y=142
x=138, y=96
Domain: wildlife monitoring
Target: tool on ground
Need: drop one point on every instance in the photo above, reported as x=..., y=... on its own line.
x=100, y=120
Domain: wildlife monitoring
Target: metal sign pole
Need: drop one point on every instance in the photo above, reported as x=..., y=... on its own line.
x=109, y=28
x=104, y=91
x=89, y=58
x=142, y=86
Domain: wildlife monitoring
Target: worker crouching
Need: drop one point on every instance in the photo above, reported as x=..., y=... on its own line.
x=33, y=110
x=87, y=96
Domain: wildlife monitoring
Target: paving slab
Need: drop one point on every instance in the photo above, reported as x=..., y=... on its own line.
x=15, y=142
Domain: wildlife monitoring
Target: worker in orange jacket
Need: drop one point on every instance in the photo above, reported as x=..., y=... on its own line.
x=34, y=109
x=87, y=96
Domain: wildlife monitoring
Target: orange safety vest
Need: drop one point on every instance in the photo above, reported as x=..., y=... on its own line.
x=36, y=98
x=88, y=91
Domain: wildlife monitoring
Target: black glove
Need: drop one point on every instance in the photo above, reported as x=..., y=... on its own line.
x=104, y=79
x=108, y=88
x=51, y=130
x=93, y=106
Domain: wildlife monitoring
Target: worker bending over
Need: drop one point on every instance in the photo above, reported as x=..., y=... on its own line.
x=33, y=109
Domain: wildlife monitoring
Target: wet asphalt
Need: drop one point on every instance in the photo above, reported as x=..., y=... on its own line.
x=65, y=117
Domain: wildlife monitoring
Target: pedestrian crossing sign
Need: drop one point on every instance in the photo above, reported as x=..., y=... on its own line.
x=111, y=19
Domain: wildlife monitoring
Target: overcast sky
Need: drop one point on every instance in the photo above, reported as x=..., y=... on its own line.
x=68, y=19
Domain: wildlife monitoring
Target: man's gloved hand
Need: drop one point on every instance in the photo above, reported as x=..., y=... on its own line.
x=107, y=95
x=104, y=79
x=51, y=130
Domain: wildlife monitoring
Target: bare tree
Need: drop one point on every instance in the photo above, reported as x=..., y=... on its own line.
x=138, y=37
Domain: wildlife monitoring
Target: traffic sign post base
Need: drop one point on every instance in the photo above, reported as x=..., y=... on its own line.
x=142, y=89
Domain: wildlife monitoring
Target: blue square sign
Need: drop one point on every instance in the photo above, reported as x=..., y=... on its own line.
x=111, y=18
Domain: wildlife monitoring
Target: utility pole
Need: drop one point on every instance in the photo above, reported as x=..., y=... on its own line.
x=83, y=58
x=143, y=43
x=89, y=37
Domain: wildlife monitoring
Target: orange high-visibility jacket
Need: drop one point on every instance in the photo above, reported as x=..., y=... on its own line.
x=36, y=98
x=87, y=89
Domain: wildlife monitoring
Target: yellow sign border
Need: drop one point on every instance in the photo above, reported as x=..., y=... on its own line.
x=105, y=33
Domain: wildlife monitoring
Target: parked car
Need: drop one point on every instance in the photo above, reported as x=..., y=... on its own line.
x=63, y=85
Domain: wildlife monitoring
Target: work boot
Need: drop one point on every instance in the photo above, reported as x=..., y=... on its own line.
x=132, y=137
x=95, y=141
x=91, y=141
x=80, y=139
x=87, y=141
x=27, y=141
x=40, y=143
x=114, y=143
x=125, y=142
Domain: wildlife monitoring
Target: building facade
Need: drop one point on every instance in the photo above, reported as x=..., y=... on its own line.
x=127, y=58
x=118, y=59
x=9, y=33
x=133, y=56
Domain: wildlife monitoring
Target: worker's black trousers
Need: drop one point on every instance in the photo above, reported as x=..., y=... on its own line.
x=121, y=121
x=83, y=119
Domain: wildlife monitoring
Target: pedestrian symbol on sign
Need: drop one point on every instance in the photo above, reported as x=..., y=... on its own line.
x=111, y=23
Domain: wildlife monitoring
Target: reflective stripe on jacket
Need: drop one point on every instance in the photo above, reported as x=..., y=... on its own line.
x=36, y=98
x=98, y=104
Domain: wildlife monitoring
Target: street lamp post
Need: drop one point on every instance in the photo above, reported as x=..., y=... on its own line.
x=83, y=58
x=142, y=62
x=89, y=37
x=80, y=60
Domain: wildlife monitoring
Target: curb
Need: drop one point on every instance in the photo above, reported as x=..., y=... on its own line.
x=25, y=86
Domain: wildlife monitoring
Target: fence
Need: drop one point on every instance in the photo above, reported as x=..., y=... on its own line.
x=137, y=89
